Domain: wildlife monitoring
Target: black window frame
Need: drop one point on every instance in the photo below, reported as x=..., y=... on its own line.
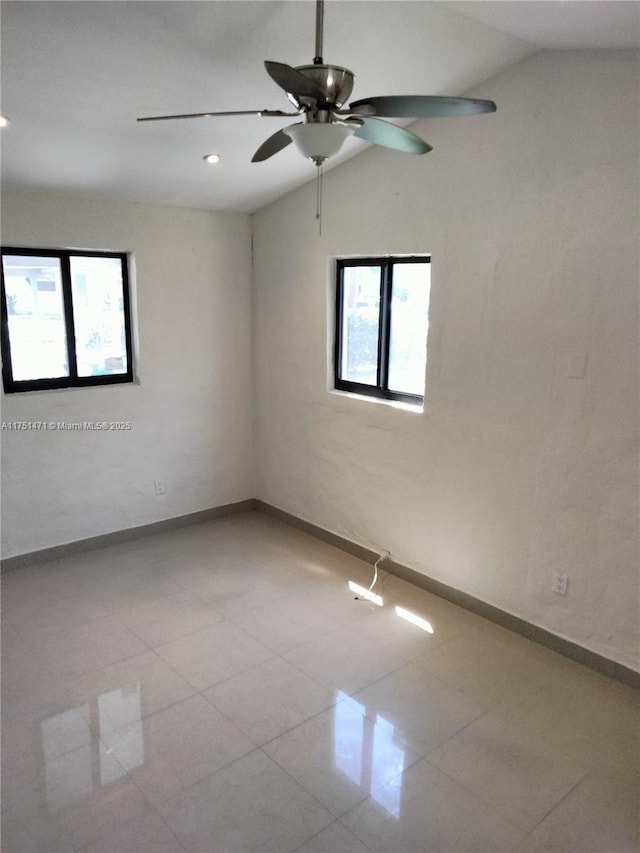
x=11, y=385
x=381, y=390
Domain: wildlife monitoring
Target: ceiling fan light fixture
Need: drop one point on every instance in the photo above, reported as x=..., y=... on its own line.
x=4, y=121
x=211, y=158
x=319, y=140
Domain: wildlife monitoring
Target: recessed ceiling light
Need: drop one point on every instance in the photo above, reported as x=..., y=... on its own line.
x=211, y=158
x=3, y=121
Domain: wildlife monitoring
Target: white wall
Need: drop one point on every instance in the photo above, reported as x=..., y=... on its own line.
x=515, y=470
x=190, y=412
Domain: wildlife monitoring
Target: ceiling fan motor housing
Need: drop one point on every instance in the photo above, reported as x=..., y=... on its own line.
x=336, y=82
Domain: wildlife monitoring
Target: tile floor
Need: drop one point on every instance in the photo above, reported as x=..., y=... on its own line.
x=218, y=689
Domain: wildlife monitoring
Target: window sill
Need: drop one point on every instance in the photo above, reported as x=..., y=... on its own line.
x=16, y=395
x=415, y=408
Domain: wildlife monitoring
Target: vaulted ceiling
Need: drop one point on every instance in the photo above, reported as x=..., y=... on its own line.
x=75, y=75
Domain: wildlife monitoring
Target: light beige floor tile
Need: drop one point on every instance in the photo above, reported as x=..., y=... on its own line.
x=192, y=585
x=428, y=811
x=517, y=773
x=62, y=711
x=149, y=834
x=47, y=603
x=584, y=714
x=88, y=646
x=424, y=711
x=28, y=679
x=341, y=756
x=120, y=590
x=251, y=805
x=234, y=590
x=76, y=799
x=77, y=682
x=188, y=563
x=339, y=601
x=288, y=623
x=214, y=654
x=269, y=699
x=334, y=839
x=170, y=750
x=600, y=815
x=130, y=689
x=309, y=576
x=31, y=743
x=162, y=620
x=98, y=577
x=344, y=660
x=29, y=582
x=409, y=640
x=530, y=845
x=489, y=663
x=297, y=619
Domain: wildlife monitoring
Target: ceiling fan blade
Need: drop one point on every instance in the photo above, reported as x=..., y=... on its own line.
x=390, y=135
x=293, y=82
x=276, y=142
x=420, y=106
x=227, y=113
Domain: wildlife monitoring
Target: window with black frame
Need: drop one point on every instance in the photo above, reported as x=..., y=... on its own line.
x=66, y=319
x=382, y=315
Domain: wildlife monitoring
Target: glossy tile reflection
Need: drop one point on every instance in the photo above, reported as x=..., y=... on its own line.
x=370, y=756
x=77, y=761
x=342, y=757
x=228, y=688
x=69, y=774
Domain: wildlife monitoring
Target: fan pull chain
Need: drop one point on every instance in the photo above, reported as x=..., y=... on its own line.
x=319, y=198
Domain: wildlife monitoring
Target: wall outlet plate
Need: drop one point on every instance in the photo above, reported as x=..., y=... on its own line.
x=560, y=583
x=577, y=365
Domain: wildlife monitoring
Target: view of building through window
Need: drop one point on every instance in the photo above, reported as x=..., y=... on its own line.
x=35, y=311
x=66, y=317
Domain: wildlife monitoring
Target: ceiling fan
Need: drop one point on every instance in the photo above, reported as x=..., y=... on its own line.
x=318, y=93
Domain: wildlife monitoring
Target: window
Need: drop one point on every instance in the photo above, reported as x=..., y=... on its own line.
x=382, y=309
x=65, y=319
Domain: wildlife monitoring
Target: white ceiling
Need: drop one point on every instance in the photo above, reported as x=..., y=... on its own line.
x=75, y=75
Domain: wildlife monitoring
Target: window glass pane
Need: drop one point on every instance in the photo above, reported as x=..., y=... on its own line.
x=360, y=317
x=35, y=311
x=98, y=310
x=409, y=320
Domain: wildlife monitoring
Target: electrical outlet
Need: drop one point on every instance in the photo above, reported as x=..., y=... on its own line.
x=560, y=583
x=159, y=485
x=577, y=365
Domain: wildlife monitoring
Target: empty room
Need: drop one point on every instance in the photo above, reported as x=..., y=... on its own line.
x=320, y=409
